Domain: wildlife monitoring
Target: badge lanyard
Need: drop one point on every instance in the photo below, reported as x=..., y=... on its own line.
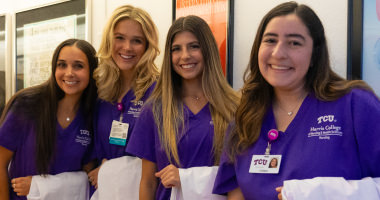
x=272, y=136
x=263, y=163
x=120, y=108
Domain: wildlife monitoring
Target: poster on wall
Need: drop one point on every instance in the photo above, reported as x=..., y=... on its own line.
x=217, y=14
x=40, y=40
x=371, y=44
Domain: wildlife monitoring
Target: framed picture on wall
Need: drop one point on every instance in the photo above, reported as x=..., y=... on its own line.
x=39, y=31
x=364, y=42
x=219, y=16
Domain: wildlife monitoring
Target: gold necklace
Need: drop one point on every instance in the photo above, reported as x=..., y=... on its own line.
x=290, y=113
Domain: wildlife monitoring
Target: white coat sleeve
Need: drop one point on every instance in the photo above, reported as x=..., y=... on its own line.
x=197, y=183
x=331, y=188
x=67, y=185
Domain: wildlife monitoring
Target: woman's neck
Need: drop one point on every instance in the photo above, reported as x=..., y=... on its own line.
x=192, y=88
x=126, y=83
x=288, y=98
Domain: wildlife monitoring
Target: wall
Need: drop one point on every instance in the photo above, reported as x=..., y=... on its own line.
x=248, y=14
x=160, y=11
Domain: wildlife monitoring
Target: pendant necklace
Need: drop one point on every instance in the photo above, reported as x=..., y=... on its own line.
x=290, y=113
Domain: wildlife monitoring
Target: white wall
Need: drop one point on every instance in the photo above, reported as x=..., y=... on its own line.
x=248, y=14
x=160, y=11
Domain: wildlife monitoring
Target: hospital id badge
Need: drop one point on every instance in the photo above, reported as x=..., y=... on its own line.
x=265, y=164
x=119, y=133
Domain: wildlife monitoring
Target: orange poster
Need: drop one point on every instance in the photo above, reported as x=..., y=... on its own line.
x=215, y=13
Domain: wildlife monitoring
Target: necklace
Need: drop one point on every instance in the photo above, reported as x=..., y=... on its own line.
x=195, y=98
x=290, y=113
x=67, y=119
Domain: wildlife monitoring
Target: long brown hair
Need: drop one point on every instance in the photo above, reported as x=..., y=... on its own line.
x=39, y=105
x=166, y=99
x=257, y=93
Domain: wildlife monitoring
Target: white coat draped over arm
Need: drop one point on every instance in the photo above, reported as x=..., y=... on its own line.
x=196, y=183
x=63, y=186
x=119, y=179
x=331, y=188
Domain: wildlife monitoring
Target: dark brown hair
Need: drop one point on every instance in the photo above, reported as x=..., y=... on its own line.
x=39, y=104
x=257, y=94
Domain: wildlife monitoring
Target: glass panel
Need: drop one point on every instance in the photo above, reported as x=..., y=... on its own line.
x=371, y=44
x=39, y=31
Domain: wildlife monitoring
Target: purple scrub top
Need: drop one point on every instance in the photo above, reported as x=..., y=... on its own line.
x=106, y=113
x=325, y=139
x=194, y=145
x=73, y=145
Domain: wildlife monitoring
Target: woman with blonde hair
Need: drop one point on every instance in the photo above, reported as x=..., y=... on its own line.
x=125, y=78
x=184, y=122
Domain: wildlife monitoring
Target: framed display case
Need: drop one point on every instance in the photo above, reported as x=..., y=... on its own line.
x=37, y=33
x=219, y=16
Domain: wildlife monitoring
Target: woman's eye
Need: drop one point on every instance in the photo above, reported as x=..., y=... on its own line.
x=175, y=49
x=78, y=66
x=119, y=38
x=61, y=65
x=295, y=43
x=195, y=46
x=269, y=40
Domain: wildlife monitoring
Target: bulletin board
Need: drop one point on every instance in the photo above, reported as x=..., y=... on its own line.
x=38, y=32
x=219, y=16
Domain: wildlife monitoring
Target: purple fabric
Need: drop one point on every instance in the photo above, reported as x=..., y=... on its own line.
x=353, y=153
x=18, y=135
x=194, y=146
x=107, y=112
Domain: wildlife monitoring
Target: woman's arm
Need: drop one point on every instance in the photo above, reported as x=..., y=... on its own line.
x=235, y=194
x=5, y=157
x=148, y=183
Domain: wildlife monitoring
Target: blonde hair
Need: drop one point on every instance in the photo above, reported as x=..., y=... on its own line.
x=107, y=75
x=166, y=99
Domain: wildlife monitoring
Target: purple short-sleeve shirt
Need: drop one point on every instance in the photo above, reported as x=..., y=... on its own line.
x=106, y=113
x=194, y=145
x=325, y=139
x=72, y=146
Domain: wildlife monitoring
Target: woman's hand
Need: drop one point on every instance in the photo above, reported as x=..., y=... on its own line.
x=169, y=176
x=93, y=177
x=21, y=185
x=279, y=189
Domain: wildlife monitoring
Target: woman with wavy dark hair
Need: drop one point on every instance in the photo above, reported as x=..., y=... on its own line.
x=47, y=129
x=296, y=108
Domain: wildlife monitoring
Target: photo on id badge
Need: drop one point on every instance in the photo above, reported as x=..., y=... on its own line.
x=265, y=164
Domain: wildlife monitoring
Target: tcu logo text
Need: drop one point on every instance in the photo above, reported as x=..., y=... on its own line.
x=326, y=118
x=260, y=162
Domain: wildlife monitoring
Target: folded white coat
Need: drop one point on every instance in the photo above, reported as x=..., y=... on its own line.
x=330, y=188
x=67, y=185
x=119, y=179
x=196, y=183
